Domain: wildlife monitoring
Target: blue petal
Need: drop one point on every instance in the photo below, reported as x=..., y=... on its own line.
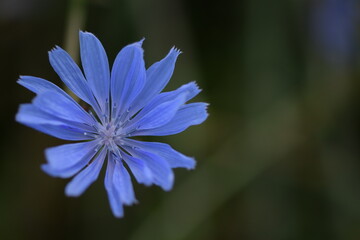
x=115, y=202
x=122, y=184
x=66, y=155
x=140, y=170
x=71, y=74
x=188, y=115
x=96, y=67
x=173, y=157
x=39, y=85
x=30, y=114
x=162, y=173
x=157, y=77
x=66, y=160
x=58, y=105
x=127, y=77
x=161, y=114
x=59, y=131
x=86, y=177
x=190, y=90
x=34, y=117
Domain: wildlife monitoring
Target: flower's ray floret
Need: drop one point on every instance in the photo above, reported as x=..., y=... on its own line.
x=124, y=101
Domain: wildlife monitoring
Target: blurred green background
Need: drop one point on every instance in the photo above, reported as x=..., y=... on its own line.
x=278, y=157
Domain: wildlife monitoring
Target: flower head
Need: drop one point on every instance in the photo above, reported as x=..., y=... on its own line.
x=333, y=29
x=124, y=103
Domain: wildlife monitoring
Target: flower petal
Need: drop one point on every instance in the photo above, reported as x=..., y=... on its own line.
x=29, y=113
x=140, y=170
x=59, y=131
x=161, y=114
x=34, y=117
x=190, y=90
x=68, y=155
x=173, y=157
x=127, y=77
x=162, y=173
x=71, y=74
x=188, y=115
x=58, y=105
x=86, y=177
x=96, y=67
x=115, y=202
x=39, y=85
x=122, y=184
x=157, y=77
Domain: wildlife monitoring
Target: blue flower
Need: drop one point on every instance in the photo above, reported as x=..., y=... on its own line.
x=124, y=103
x=333, y=28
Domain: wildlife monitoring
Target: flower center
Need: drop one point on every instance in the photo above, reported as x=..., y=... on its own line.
x=107, y=134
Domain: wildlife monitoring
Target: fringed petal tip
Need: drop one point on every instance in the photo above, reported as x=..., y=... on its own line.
x=141, y=41
x=21, y=78
x=206, y=105
x=176, y=50
x=138, y=43
x=191, y=88
x=85, y=33
x=55, y=49
x=206, y=109
x=196, y=87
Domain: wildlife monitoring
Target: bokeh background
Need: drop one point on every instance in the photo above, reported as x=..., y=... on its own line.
x=278, y=158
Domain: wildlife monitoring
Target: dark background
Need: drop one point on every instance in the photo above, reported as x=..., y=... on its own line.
x=278, y=157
